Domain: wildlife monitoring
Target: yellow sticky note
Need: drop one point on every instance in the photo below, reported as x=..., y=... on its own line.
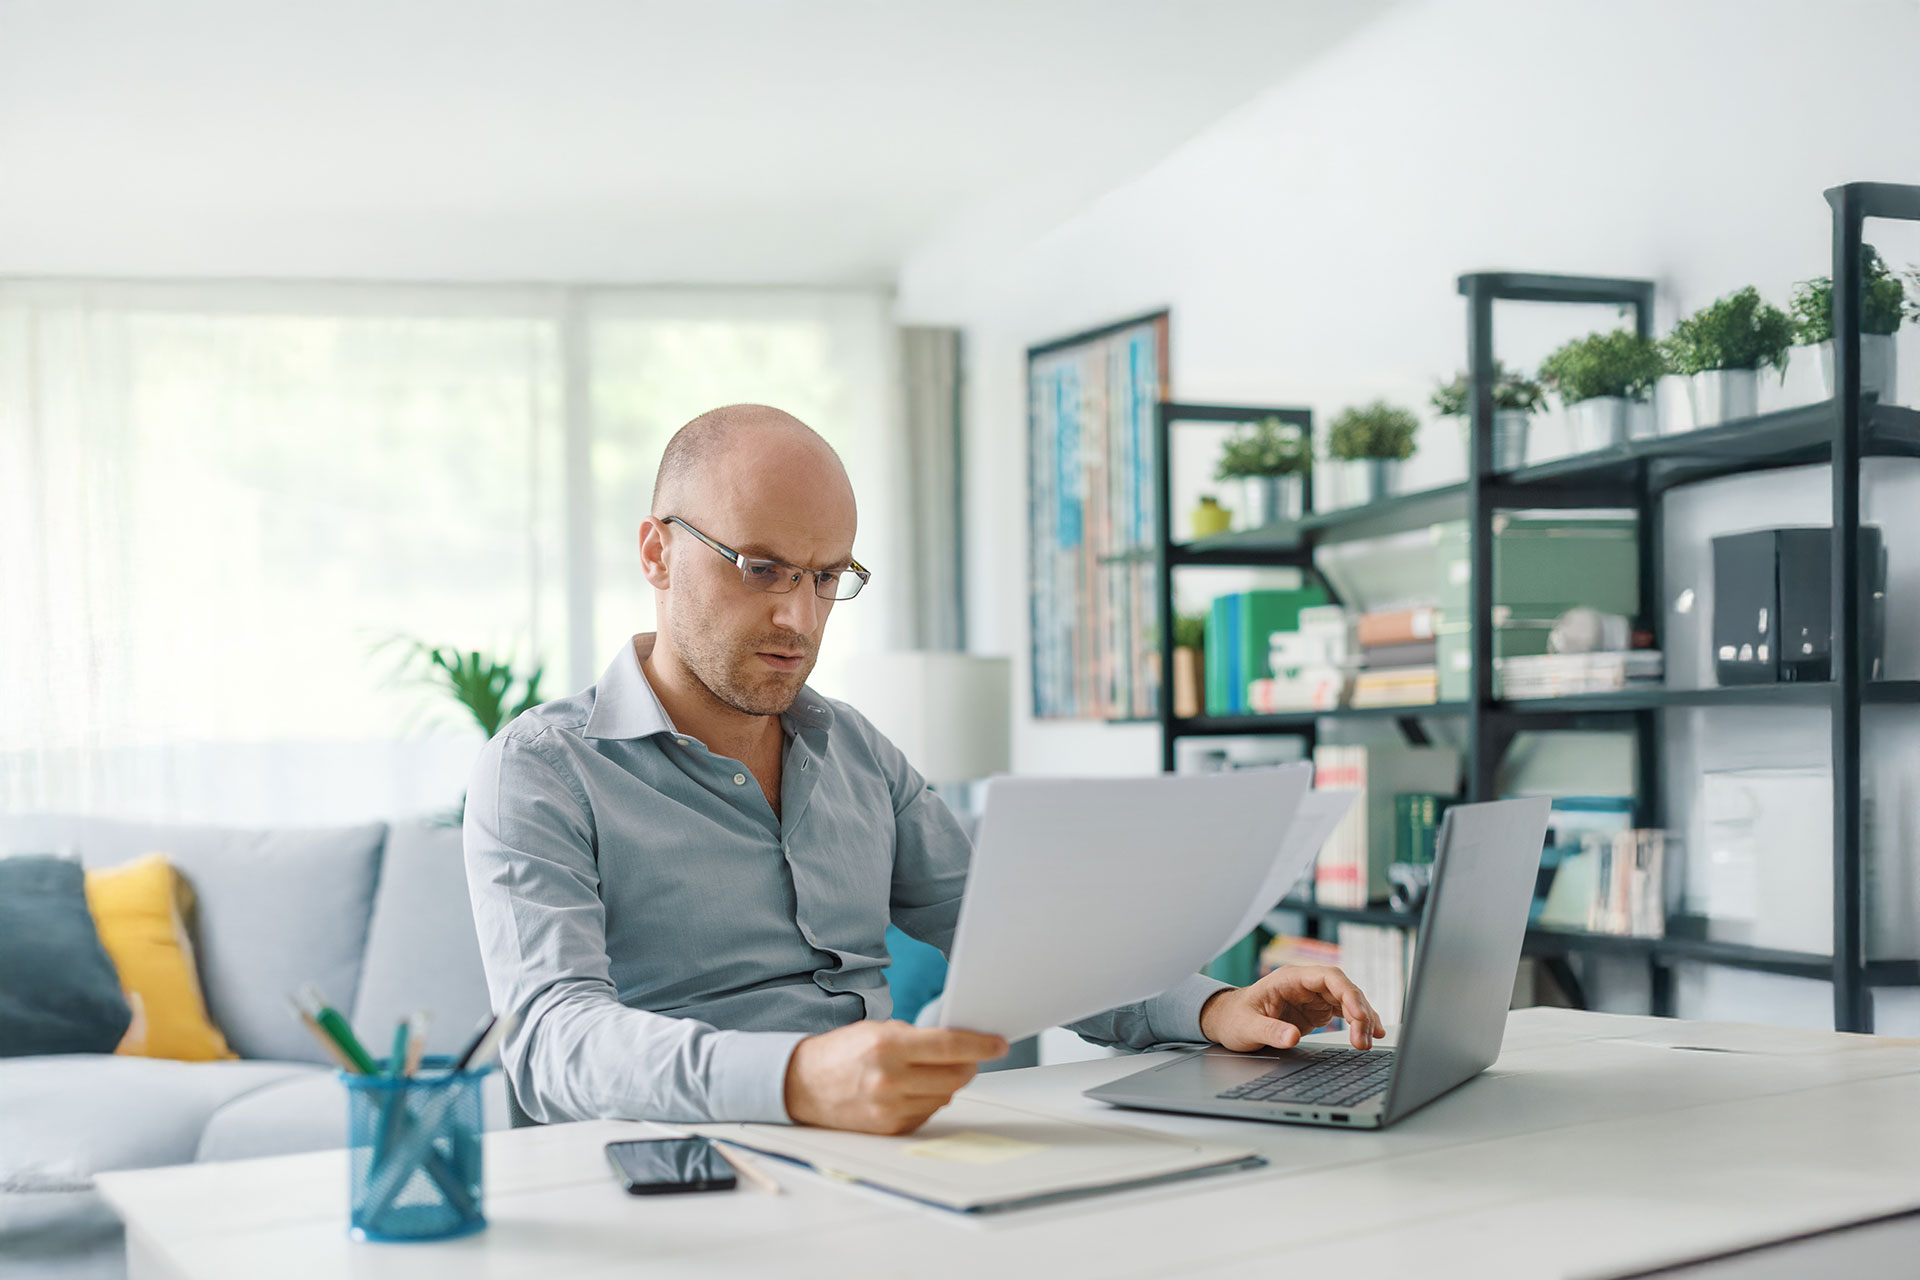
x=974, y=1148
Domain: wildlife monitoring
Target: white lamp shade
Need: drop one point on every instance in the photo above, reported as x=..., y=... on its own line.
x=951, y=714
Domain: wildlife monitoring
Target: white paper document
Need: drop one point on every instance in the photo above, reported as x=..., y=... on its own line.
x=1086, y=894
x=1320, y=812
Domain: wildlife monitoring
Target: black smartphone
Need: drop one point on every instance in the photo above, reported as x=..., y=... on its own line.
x=663, y=1166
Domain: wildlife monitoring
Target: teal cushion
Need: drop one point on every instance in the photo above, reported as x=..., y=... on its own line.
x=918, y=974
x=59, y=991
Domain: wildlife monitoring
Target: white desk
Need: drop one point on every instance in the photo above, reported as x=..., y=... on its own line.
x=1592, y=1148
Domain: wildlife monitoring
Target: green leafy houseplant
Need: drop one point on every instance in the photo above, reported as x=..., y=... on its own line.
x=1265, y=448
x=485, y=686
x=1511, y=390
x=1189, y=631
x=1620, y=363
x=1375, y=431
x=1883, y=302
x=1739, y=331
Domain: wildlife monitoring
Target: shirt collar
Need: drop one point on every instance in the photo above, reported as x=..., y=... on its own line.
x=625, y=705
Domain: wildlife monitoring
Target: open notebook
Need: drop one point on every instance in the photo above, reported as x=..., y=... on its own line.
x=981, y=1157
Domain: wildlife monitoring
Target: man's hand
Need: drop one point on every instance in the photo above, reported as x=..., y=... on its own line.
x=1286, y=1004
x=882, y=1077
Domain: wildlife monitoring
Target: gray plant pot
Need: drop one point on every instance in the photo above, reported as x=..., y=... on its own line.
x=1266, y=500
x=1379, y=478
x=1879, y=366
x=1510, y=428
x=1724, y=395
x=1598, y=423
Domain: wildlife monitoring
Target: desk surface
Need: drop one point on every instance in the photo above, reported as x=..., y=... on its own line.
x=1598, y=1145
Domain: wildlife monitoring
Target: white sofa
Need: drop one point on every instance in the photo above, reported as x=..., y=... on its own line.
x=378, y=916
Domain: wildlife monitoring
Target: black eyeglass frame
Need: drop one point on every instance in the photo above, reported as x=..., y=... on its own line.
x=791, y=578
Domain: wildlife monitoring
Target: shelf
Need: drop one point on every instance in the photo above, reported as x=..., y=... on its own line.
x=1806, y=693
x=1294, y=539
x=1686, y=941
x=1788, y=438
x=1296, y=721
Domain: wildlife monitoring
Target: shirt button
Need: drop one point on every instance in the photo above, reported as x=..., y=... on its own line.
x=739, y=779
x=681, y=741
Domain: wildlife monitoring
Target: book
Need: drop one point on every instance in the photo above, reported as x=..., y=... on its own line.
x=1240, y=629
x=1397, y=626
x=1397, y=687
x=1376, y=958
x=1383, y=657
x=977, y=1156
x=1352, y=868
x=1554, y=675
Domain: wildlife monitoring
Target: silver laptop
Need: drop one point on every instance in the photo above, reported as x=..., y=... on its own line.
x=1464, y=961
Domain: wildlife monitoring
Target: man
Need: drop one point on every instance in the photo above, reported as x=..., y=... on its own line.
x=682, y=876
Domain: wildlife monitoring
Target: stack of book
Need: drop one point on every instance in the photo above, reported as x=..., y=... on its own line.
x=1397, y=656
x=1629, y=883
x=1377, y=958
x=1239, y=627
x=1554, y=675
x=1286, y=949
x=1310, y=664
x=1351, y=870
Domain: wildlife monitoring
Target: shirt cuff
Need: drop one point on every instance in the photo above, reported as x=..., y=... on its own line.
x=747, y=1076
x=1174, y=1017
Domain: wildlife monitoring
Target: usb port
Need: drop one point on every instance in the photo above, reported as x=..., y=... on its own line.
x=1339, y=1117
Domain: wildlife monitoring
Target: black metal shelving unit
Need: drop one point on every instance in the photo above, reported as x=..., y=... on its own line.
x=1634, y=476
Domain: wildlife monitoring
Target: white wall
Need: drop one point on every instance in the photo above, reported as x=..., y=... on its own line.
x=1308, y=245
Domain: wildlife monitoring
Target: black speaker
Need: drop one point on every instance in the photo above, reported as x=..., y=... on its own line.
x=1773, y=604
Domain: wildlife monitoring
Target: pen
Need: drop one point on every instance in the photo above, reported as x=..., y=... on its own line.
x=336, y=1027
x=326, y=1041
x=747, y=1167
x=402, y=1050
x=417, y=1039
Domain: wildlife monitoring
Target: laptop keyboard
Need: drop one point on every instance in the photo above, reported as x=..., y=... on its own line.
x=1327, y=1078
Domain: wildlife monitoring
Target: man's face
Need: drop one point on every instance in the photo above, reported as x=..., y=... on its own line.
x=752, y=649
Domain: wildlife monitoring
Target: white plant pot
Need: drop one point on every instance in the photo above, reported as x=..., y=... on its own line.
x=1599, y=423
x=1724, y=395
x=1673, y=404
x=1879, y=367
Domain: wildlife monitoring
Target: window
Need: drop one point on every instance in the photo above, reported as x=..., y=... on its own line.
x=216, y=501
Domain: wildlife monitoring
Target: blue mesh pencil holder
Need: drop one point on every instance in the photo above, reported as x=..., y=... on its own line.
x=415, y=1169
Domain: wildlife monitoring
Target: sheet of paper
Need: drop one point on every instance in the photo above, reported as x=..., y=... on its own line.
x=1086, y=894
x=971, y=1147
x=1320, y=812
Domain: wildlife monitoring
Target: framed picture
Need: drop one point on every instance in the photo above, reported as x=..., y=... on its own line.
x=1091, y=400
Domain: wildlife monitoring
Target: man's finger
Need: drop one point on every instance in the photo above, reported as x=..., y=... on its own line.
x=947, y=1045
x=1272, y=1031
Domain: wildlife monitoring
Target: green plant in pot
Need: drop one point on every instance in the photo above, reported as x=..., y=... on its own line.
x=1720, y=350
x=1605, y=380
x=489, y=689
x=1269, y=461
x=1883, y=305
x=1378, y=437
x=1516, y=398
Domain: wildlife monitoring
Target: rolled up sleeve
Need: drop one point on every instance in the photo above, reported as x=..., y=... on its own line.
x=577, y=1052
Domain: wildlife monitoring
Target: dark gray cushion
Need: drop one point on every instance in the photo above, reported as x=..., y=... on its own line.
x=274, y=909
x=422, y=949
x=59, y=991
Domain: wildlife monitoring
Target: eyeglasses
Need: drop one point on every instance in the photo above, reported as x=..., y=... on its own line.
x=778, y=577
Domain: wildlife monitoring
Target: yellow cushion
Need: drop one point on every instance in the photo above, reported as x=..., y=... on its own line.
x=141, y=910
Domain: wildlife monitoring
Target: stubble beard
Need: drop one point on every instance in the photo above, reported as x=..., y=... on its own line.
x=727, y=668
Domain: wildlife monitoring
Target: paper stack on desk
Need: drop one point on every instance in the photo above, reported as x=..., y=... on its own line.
x=1087, y=894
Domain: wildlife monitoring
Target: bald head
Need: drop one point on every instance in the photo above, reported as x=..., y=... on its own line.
x=739, y=442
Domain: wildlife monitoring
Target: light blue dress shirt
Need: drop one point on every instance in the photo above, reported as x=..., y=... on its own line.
x=666, y=939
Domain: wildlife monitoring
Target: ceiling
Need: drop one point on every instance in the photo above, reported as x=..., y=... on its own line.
x=720, y=141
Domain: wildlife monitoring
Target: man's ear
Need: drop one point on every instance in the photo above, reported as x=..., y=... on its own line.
x=654, y=553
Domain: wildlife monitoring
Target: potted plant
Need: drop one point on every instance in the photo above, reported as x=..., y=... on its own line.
x=1720, y=349
x=1883, y=305
x=1189, y=671
x=1378, y=437
x=1268, y=459
x=1515, y=399
x=1604, y=380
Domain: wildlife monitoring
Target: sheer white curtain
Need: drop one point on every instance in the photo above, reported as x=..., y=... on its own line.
x=215, y=500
